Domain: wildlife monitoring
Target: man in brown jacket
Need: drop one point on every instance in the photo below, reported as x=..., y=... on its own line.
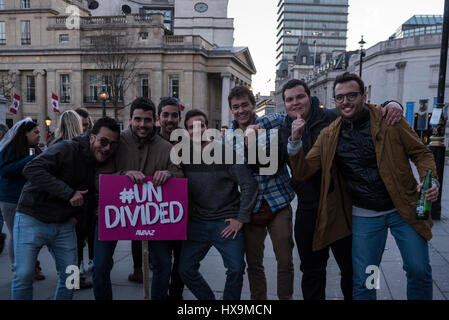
x=141, y=153
x=367, y=181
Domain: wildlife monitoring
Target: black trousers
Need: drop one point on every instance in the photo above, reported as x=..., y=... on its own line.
x=85, y=230
x=176, y=285
x=314, y=263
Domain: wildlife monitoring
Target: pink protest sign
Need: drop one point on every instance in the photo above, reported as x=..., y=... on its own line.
x=131, y=211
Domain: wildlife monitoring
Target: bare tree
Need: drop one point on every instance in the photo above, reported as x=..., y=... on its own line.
x=116, y=59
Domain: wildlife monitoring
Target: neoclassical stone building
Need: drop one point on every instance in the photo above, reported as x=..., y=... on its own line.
x=40, y=55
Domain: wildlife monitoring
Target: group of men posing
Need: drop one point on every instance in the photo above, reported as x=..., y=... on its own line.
x=351, y=173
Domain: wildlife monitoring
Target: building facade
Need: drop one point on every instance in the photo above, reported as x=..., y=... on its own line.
x=43, y=55
x=320, y=23
x=206, y=18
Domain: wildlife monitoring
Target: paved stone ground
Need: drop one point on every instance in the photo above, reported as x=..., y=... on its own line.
x=392, y=284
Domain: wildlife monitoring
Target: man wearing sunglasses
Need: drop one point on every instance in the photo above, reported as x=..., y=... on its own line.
x=50, y=203
x=142, y=153
x=368, y=187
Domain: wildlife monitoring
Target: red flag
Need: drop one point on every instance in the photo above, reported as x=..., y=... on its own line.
x=15, y=104
x=55, y=102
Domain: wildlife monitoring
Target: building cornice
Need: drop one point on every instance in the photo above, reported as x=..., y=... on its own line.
x=21, y=11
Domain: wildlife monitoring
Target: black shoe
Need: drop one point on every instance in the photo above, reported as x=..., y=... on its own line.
x=85, y=283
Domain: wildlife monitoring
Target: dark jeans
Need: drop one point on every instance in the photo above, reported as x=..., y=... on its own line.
x=313, y=263
x=103, y=262
x=136, y=250
x=201, y=236
x=85, y=229
x=176, y=286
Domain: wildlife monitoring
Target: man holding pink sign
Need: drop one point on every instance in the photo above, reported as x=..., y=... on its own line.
x=142, y=154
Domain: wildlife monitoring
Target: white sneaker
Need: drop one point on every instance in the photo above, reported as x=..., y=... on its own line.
x=90, y=266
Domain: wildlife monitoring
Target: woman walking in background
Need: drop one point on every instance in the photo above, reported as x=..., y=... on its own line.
x=17, y=148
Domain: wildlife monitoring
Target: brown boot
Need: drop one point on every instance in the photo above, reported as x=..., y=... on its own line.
x=137, y=276
x=38, y=272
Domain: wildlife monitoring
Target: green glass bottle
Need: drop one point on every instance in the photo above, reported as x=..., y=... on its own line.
x=424, y=206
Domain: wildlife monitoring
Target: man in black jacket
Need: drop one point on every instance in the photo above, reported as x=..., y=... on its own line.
x=49, y=205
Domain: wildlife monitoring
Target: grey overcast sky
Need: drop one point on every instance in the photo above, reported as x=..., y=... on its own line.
x=255, y=27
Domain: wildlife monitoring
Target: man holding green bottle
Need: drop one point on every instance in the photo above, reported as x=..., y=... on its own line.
x=368, y=186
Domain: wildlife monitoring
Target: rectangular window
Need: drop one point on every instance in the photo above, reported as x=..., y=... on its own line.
x=63, y=38
x=31, y=89
x=93, y=89
x=143, y=35
x=25, y=4
x=144, y=86
x=2, y=4
x=26, y=33
x=65, y=88
x=173, y=86
x=2, y=33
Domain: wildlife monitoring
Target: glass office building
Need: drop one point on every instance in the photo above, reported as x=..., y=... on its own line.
x=322, y=24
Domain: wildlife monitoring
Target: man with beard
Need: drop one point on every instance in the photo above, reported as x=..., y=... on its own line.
x=368, y=187
x=142, y=153
x=49, y=205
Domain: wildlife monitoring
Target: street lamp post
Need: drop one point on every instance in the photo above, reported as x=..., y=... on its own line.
x=48, y=123
x=103, y=95
x=316, y=34
x=437, y=145
x=362, y=54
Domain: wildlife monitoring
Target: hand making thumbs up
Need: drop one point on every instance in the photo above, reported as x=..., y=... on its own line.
x=298, y=127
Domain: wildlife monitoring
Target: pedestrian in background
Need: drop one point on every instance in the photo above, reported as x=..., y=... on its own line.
x=17, y=148
x=3, y=130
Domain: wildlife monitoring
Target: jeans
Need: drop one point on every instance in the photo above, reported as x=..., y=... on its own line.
x=1, y=220
x=281, y=233
x=368, y=243
x=30, y=235
x=313, y=263
x=9, y=212
x=103, y=263
x=176, y=285
x=160, y=257
x=201, y=236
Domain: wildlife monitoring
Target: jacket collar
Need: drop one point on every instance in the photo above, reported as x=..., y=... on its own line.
x=137, y=140
x=84, y=142
x=235, y=125
x=359, y=119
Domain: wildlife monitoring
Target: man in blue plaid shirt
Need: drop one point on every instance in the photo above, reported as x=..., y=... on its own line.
x=272, y=212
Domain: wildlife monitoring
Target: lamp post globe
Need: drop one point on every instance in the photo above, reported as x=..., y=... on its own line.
x=103, y=95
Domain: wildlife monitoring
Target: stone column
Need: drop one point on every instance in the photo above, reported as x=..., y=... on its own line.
x=41, y=100
x=51, y=88
x=225, y=89
x=17, y=89
x=156, y=85
x=401, y=71
x=3, y=105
